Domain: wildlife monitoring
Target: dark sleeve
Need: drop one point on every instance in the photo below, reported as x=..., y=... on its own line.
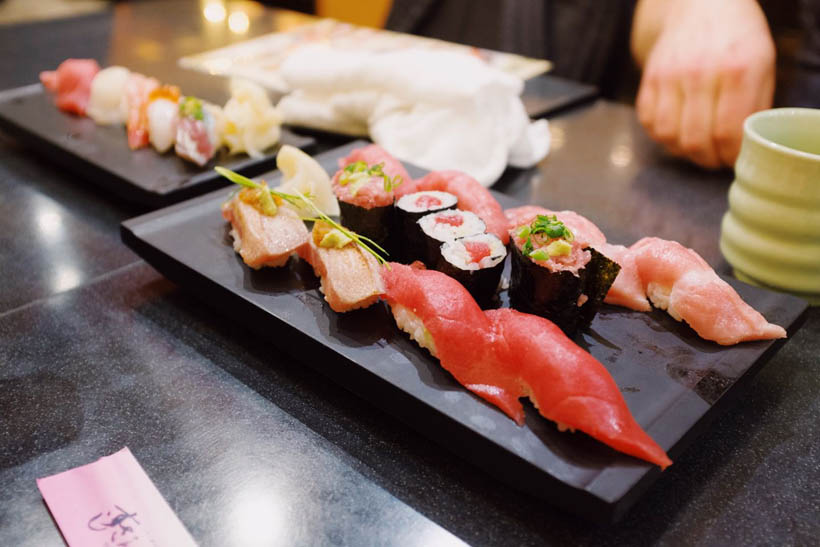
x=587, y=40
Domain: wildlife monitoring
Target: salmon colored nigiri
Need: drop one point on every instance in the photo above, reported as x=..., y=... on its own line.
x=678, y=280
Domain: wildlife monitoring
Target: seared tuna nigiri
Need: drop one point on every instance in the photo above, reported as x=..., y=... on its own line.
x=502, y=355
x=137, y=90
x=264, y=233
x=679, y=281
x=350, y=277
x=472, y=196
x=72, y=84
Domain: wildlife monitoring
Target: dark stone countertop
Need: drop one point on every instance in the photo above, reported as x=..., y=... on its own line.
x=98, y=351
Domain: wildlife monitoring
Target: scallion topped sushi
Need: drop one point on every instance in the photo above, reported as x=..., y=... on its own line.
x=556, y=275
x=364, y=186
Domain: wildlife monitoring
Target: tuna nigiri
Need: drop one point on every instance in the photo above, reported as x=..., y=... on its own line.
x=502, y=355
x=72, y=84
x=472, y=196
x=679, y=281
x=350, y=277
x=567, y=385
x=265, y=233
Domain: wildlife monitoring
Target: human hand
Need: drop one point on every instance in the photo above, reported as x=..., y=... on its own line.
x=711, y=65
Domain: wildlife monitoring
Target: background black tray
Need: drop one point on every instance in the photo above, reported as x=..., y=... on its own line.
x=101, y=155
x=546, y=95
x=674, y=383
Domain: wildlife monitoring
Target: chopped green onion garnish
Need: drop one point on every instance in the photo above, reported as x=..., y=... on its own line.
x=359, y=173
x=523, y=232
x=559, y=247
x=191, y=107
x=540, y=254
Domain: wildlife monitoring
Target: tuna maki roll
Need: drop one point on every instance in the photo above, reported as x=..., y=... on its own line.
x=409, y=209
x=555, y=276
x=440, y=227
x=476, y=262
x=364, y=187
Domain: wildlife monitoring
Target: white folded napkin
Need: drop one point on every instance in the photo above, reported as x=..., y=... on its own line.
x=436, y=109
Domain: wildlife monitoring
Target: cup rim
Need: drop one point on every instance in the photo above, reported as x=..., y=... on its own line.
x=778, y=113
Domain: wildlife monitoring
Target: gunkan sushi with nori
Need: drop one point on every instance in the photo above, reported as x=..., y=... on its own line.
x=557, y=276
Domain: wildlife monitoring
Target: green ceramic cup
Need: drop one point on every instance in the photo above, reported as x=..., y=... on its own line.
x=771, y=232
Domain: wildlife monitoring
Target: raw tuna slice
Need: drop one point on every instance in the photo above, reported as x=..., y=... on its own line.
x=679, y=281
x=472, y=196
x=72, y=84
x=567, y=385
x=264, y=240
x=502, y=355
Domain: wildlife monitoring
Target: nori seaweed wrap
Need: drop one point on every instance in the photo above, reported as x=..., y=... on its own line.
x=365, y=194
x=409, y=209
x=376, y=223
x=444, y=226
x=476, y=262
x=569, y=295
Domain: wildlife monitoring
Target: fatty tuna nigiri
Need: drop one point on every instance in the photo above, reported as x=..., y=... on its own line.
x=503, y=355
x=472, y=196
x=679, y=281
x=72, y=84
x=264, y=233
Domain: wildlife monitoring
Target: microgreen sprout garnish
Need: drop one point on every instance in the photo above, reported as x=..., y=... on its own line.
x=358, y=173
x=554, y=230
x=298, y=199
x=191, y=107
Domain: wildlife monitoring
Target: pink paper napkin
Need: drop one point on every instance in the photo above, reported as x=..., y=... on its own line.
x=112, y=502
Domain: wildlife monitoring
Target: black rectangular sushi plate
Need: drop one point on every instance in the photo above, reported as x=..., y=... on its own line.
x=674, y=383
x=100, y=154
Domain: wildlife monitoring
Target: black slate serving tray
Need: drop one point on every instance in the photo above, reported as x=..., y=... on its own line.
x=674, y=383
x=101, y=155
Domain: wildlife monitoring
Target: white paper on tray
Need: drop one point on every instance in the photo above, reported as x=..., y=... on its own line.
x=437, y=109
